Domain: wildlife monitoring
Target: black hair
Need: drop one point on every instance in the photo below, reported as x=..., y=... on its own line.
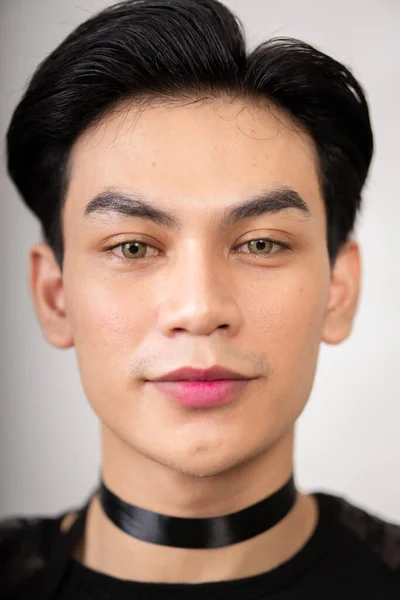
x=176, y=49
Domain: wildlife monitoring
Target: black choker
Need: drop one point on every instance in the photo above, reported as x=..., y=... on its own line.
x=211, y=532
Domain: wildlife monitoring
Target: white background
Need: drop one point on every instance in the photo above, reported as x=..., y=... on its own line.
x=348, y=435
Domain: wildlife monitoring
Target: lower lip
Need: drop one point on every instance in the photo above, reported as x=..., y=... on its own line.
x=202, y=394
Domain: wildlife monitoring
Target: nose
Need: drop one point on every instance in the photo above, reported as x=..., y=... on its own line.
x=198, y=296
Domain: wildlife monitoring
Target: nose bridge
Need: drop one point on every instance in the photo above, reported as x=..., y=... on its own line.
x=197, y=294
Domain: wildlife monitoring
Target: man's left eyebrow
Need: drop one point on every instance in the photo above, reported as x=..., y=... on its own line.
x=135, y=205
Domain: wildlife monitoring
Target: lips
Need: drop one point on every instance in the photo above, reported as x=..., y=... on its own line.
x=199, y=388
x=190, y=374
x=201, y=394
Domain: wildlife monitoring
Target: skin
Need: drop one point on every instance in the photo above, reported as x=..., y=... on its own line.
x=133, y=319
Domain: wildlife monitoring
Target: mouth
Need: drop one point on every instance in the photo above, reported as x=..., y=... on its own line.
x=202, y=393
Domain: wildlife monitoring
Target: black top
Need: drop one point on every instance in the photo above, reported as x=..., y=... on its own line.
x=352, y=554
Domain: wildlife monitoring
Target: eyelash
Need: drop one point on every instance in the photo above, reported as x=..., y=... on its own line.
x=281, y=245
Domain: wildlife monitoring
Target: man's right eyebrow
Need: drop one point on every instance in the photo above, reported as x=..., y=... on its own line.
x=114, y=202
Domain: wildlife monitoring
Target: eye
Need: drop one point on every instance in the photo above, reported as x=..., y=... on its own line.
x=136, y=250
x=263, y=247
x=133, y=249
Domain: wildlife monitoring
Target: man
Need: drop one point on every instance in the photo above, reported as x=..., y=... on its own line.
x=197, y=204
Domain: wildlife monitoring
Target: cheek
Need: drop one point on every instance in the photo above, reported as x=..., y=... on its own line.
x=102, y=309
x=287, y=320
x=109, y=323
x=284, y=325
x=289, y=308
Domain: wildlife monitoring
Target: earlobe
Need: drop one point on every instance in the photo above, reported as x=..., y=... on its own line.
x=344, y=294
x=46, y=286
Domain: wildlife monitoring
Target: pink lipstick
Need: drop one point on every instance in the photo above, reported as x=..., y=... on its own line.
x=202, y=394
x=201, y=388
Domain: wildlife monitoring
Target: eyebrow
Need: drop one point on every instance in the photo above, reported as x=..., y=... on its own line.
x=113, y=202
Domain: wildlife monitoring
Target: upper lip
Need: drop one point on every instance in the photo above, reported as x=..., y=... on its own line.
x=190, y=374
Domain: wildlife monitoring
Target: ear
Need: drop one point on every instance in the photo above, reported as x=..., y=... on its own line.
x=344, y=294
x=46, y=286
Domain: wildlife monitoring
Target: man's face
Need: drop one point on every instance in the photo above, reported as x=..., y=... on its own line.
x=133, y=317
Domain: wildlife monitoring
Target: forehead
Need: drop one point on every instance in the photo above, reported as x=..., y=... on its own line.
x=193, y=154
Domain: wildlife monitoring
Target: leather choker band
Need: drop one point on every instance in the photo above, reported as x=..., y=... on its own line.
x=211, y=532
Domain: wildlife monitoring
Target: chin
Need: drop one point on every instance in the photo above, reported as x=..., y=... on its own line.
x=204, y=465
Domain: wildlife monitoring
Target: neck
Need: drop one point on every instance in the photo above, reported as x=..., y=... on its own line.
x=108, y=549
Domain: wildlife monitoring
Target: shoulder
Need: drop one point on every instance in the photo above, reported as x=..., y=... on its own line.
x=377, y=536
x=380, y=536
x=25, y=546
